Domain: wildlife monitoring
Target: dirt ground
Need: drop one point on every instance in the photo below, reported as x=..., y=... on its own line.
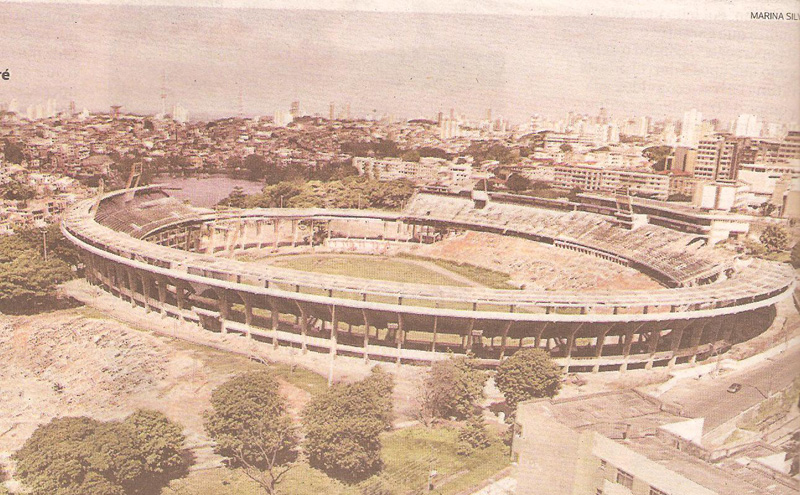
x=536, y=265
x=81, y=363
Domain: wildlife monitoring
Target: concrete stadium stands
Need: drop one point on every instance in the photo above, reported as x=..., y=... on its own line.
x=165, y=256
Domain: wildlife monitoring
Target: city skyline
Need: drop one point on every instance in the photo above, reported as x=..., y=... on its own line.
x=407, y=65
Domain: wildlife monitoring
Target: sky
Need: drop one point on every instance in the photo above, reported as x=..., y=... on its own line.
x=407, y=58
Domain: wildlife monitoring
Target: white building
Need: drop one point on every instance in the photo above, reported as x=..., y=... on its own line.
x=747, y=126
x=691, y=128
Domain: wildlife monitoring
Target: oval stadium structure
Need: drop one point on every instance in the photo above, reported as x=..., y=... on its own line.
x=158, y=253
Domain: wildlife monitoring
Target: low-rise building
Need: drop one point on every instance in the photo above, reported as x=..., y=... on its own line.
x=626, y=443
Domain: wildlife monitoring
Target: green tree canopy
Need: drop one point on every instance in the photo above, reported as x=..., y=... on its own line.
x=657, y=155
x=15, y=190
x=774, y=238
x=452, y=388
x=83, y=456
x=517, y=182
x=472, y=436
x=528, y=374
x=344, y=424
x=27, y=281
x=13, y=152
x=251, y=426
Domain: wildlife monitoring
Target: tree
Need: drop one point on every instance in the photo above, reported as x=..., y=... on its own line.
x=452, y=388
x=410, y=156
x=250, y=425
x=528, y=374
x=12, y=152
x=27, y=280
x=472, y=436
x=83, y=456
x=774, y=238
x=795, y=256
x=517, y=182
x=344, y=424
x=236, y=199
x=657, y=155
x=15, y=190
x=566, y=148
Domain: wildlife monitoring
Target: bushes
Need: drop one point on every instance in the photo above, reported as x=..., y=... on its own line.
x=473, y=436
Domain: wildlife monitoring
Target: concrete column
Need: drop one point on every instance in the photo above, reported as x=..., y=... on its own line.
x=626, y=349
x=655, y=336
x=537, y=339
x=212, y=238
x=276, y=231
x=675, y=340
x=470, y=328
x=303, y=327
x=504, y=339
x=162, y=296
x=435, y=329
x=334, y=332
x=274, y=315
x=696, y=337
x=601, y=340
x=570, y=345
x=224, y=311
x=181, y=297
x=248, y=313
x=399, y=337
x=146, y=283
x=131, y=286
x=366, y=334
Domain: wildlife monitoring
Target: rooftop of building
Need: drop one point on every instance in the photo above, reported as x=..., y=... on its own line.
x=632, y=418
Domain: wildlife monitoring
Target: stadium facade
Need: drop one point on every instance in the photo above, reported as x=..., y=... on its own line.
x=157, y=253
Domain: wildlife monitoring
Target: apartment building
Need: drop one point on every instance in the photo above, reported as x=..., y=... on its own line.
x=591, y=178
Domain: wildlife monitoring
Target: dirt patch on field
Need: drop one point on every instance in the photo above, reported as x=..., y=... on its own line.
x=536, y=265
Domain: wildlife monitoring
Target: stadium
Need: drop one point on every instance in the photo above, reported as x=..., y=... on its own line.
x=600, y=284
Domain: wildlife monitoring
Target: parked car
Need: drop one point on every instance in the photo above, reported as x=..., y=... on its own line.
x=735, y=387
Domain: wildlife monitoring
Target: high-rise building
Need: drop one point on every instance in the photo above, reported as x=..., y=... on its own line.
x=294, y=109
x=718, y=158
x=690, y=128
x=683, y=159
x=747, y=126
x=180, y=114
x=332, y=112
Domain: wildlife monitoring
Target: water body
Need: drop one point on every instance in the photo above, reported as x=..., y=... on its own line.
x=206, y=191
x=219, y=60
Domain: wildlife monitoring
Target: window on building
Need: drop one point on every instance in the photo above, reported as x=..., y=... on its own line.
x=602, y=464
x=624, y=479
x=656, y=491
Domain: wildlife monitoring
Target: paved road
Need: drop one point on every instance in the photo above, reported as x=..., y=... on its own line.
x=708, y=397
